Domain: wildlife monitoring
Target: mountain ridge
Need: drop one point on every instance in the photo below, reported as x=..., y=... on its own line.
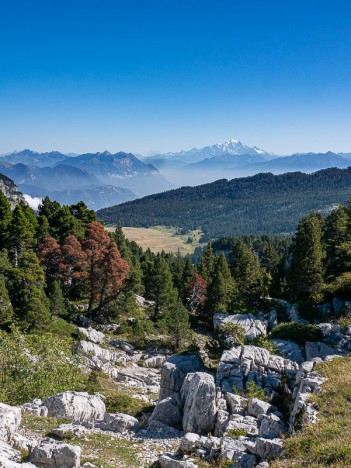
x=261, y=204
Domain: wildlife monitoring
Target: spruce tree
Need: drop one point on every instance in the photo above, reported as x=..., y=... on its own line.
x=162, y=292
x=21, y=233
x=207, y=263
x=57, y=301
x=250, y=278
x=337, y=239
x=6, y=310
x=177, y=324
x=221, y=291
x=307, y=270
x=5, y=219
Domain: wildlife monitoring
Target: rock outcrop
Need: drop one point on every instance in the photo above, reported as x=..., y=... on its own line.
x=77, y=406
x=52, y=453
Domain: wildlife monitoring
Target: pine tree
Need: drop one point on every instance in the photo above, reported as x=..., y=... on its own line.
x=221, y=291
x=26, y=288
x=21, y=233
x=57, y=301
x=337, y=239
x=6, y=310
x=307, y=270
x=251, y=280
x=162, y=292
x=5, y=219
x=176, y=322
x=207, y=263
x=43, y=228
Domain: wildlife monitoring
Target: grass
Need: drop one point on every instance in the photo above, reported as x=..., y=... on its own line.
x=328, y=442
x=160, y=238
x=118, y=400
x=39, y=425
x=105, y=451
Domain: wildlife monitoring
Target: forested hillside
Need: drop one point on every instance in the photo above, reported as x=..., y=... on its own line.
x=262, y=204
x=60, y=268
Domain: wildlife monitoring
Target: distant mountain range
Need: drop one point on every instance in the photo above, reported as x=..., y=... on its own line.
x=104, y=178
x=234, y=159
x=100, y=179
x=261, y=204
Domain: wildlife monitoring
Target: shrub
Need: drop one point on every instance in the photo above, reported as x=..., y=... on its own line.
x=297, y=332
x=231, y=330
x=36, y=366
x=263, y=342
x=341, y=286
x=254, y=391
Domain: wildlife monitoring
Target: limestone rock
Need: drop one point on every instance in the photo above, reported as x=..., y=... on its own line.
x=123, y=345
x=257, y=407
x=243, y=423
x=199, y=408
x=92, y=335
x=167, y=411
x=154, y=361
x=52, y=453
x=289, y=350
x=271, y=426
x=318, y=350
x=174, y=370
x=78, y=406
x=169, y=461
x=118, y=422
x=20, y=442
x=35, y=407
x=10, y=419
x=90, y=350
x=267, y=448
x=236, y=403
x=252, y=325
x=69, y=429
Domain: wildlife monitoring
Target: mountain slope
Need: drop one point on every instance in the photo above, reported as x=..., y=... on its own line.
x=11, y=192
x=95, y=198
x=60, y=177
x=122, y=169
x=262, y=204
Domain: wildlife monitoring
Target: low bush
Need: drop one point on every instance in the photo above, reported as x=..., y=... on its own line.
x=297, y=332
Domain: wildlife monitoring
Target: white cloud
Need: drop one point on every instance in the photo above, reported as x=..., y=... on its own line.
x=33, y=202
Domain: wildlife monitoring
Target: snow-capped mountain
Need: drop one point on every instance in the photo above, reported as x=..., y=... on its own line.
x=233, y=147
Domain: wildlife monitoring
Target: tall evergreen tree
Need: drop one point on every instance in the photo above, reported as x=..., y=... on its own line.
x=26, y=288
x=221, y=291
x=162, y=292
x=207, y=263
x=5, y=219
x=337, y=239
x=6, y=310
x=250, y=278
x=21, y=233
x=307, y=270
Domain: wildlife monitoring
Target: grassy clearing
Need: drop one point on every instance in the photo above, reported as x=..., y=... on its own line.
x=160, y=238
x=328, y=442
x=105, y=451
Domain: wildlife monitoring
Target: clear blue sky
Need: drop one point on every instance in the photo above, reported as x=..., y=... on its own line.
x=159, y=75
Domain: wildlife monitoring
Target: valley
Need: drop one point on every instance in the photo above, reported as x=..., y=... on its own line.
x=161, y=238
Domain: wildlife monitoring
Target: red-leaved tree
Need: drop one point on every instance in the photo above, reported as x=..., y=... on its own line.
x=196, y=293
x=106, y=269
x=50, y=256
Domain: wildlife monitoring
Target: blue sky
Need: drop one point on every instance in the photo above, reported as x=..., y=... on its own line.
x=162, y=75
